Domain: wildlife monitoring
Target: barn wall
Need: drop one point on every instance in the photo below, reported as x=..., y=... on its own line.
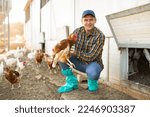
x=27, y=34
x=35, y=23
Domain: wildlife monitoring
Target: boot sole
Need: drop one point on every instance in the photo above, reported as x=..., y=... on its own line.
x=73, y=88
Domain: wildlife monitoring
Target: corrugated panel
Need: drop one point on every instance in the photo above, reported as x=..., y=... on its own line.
x=131, y=27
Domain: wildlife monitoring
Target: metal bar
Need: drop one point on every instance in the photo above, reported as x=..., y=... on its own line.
x=74, y=14
x=107, y=75
x=8, y=34
x=4, y=36
x=108, y=52
x=2, y=6
x=8, y=25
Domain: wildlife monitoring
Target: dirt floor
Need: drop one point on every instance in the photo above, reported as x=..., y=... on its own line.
x=141, y=78
x=41, y=84
x=139, y=66
x=34, y=85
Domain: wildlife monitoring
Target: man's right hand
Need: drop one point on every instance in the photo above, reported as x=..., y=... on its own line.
x=73, y=53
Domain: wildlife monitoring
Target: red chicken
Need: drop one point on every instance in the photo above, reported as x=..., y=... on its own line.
x=64, y=43
x=61, y=52
x=12, y=76
x=49, y=61
x=38, y=57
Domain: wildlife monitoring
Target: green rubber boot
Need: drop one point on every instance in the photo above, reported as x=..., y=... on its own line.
x=71, y=82
x=92, y=85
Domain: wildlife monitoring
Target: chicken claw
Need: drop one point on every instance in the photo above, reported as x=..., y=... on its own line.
x=70, y=63
x=19, y=85
x=12, y=87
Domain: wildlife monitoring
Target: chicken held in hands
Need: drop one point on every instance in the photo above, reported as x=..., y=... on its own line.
x=63, y=56
x=64, y=43
x=61, y=51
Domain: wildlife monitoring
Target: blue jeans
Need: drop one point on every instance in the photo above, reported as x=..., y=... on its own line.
x=92, y=69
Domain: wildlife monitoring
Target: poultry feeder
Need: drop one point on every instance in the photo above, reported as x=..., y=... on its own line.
x=131, y=31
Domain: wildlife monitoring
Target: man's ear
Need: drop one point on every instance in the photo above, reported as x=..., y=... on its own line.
x=95, y=20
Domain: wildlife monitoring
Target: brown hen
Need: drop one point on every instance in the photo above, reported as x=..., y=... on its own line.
x=38, y=57
x=12, y=76
x=64, y=43
x=61, y=52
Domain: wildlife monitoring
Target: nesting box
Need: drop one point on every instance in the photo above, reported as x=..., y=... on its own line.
x=131, y=31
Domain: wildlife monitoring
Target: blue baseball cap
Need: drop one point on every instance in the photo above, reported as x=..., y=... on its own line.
x=88, y=12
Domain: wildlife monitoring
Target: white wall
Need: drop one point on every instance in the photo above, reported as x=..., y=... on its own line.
x=55, y=15
x=35, y=23
x=32, y=27
x=103, y=8
x=63, y=12
x=45, y=20
x=27, y=34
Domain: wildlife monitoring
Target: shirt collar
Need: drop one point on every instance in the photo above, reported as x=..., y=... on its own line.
x=90, y=33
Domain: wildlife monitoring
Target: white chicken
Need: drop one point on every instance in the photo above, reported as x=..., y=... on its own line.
x=31, y=55
x=10, y=53
x=18, y=53
x=20, y=65
x=134, y=56
x=147, y=55
x=2, y=58
x=10, y=62
x=24, y=50
x=137, y=54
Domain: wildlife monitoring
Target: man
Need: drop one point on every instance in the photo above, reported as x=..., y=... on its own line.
x=87, y=56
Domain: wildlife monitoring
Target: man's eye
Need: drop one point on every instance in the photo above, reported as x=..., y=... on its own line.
x=88, y=20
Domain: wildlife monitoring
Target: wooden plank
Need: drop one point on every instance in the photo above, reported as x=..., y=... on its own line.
x=131, y=26
x=27, y=4
x=131, y=29
x=131, y=11
x=124, y=86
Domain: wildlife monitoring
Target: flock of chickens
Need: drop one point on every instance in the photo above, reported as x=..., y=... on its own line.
x=12, y=64
x=139, y=61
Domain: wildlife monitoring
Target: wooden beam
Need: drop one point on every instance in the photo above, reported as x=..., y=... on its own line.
x=27, y=4
x=125, y=87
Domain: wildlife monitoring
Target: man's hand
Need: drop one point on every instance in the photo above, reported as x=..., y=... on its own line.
x=73, y=53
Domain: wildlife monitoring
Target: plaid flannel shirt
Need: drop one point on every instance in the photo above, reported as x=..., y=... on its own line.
x=89, y=47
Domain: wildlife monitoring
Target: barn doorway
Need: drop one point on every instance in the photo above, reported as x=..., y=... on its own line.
x=139, y=65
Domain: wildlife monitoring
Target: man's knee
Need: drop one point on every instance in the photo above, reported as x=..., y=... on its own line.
x=93, y=71
x=93, y=74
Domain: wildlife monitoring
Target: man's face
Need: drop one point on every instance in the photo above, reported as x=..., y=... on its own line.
x=88, y=22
